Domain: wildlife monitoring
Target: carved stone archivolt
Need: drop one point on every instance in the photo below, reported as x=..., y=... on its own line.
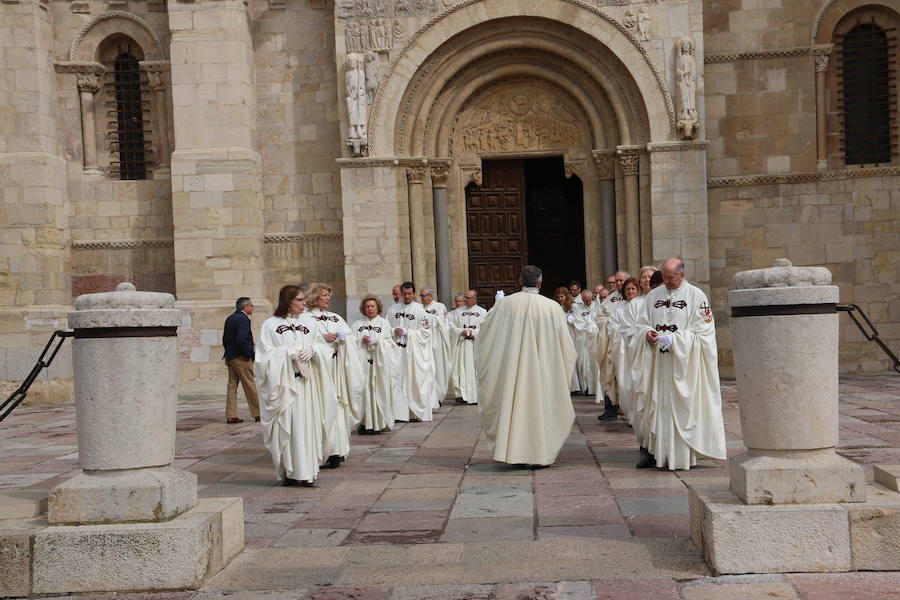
x=85, y=44
x=524, y=117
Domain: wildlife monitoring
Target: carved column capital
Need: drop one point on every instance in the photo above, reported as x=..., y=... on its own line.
x=606, y=164
x=821, y=62
x=574, y=167
x=88, y=82
x=630, y=163
x=440, y=176
x=416, y=174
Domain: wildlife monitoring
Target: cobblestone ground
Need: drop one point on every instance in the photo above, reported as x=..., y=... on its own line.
x=423, y=511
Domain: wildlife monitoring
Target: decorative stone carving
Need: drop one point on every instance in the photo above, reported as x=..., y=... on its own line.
x=80, y=8
x=821, y=62
x=606, y=165
x=371, y=70
x=416, y=175
x=630, y=163
x=398, y=29
x=440, y=176
x=536, y=117
x=375, y=34
x=357, y=107
x=686, y=88
x=629, y=20
x=88, y=82
x=643, y=23
x=575, y=167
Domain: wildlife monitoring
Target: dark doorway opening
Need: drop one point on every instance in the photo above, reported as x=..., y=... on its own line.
x=555, y=219
x=525, y=211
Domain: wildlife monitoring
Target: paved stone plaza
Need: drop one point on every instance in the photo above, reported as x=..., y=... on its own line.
x=423, y=512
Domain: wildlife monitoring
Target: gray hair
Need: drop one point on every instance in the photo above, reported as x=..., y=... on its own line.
x=428, y=290
x=648, y=268
x=242, y=302
x=459, y=295
x=530, y=275
x=679, y=264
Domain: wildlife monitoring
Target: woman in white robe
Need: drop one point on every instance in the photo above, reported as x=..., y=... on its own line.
x=564, y=299
x=344, y=369
x=623, y=319
x=372, y=334
x=297, y=407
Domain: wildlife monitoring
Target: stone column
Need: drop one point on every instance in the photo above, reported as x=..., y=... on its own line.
x=156, y=77
x=439, y=179
x=606, y=175
x=35, y=294
x=785, y=327
x=216, y=173
x=415, y=178
x=821, y=58
x=88, y=86
x=630, y=162
x=125, y=357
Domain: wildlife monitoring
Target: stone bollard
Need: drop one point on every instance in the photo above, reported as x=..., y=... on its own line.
x=785, y=326
x=125, y=367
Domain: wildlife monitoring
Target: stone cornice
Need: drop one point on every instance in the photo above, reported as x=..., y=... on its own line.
x=795, y=178
x=387, y=161
x=293, y=238
x=79, y=67
x=120, y=244
x=677, y=146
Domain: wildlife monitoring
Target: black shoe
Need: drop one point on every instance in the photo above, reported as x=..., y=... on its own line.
x=308, y=483
x=647, y=462
x=256, y=419
x=288, y=482
x=333, y=462
x=610, y=412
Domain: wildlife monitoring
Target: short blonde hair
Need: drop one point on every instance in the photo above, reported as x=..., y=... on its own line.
x=366, y=298
x=316, y=289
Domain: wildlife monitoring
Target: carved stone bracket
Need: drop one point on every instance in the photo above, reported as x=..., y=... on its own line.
x=606, y=164
x=440, y=176
x=821, y=54
x=575, y=167
x=155, y=70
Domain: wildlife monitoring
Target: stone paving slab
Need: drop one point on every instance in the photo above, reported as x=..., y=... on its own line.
x=424, y=512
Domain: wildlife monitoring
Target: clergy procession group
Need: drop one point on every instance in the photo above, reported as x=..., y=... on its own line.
x=645, y=347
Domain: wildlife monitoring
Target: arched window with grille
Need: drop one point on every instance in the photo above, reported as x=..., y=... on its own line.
x=127, y=110
x=866, y=53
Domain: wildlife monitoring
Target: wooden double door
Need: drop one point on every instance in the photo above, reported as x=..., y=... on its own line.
x=525, y=211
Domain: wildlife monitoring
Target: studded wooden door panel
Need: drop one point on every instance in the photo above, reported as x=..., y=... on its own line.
x=495, y=218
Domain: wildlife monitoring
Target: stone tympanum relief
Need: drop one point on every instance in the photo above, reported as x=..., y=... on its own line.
x=357, y=104
x=523, y=117
x=643, y=24
x=686, y=88
x=348, y=9
x=374, y=34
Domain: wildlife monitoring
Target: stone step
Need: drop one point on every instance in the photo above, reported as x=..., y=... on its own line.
x=888, y=476
x=22, y=504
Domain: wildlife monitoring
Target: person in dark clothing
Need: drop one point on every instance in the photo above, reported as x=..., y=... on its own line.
x=238, y=342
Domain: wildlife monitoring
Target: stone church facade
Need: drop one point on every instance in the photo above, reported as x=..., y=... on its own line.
x=222, y=148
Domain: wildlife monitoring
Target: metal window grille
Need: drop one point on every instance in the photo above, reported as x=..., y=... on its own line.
x=128, y=112
x=866, y=60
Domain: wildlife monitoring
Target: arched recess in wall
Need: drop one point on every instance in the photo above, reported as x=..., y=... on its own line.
x=859, y=120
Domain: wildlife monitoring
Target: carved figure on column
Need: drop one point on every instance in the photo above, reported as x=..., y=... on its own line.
x=352, y=35
x=686, y=87
x=643, y=23
x=357, y=109
x=371, y=68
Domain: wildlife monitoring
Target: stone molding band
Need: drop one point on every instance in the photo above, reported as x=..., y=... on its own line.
x=93, y=333
x=810, y=177
x=776, y=310
x=121, y=244
x=287, y=238
x=726, y=57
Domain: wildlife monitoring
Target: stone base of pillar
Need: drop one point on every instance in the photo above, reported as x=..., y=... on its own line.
x=134, y=495
x=797, y=477
x=178, y=554
x=736, y=538
x=888, y=476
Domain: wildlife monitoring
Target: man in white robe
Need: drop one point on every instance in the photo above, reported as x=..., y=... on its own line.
x=585, y=341
x=297, y=409
x=575, y=291
x=683, y=413
x=464, y=329
x=606, y=384
x=440, y=342
x=415, y=393
x=524, y=359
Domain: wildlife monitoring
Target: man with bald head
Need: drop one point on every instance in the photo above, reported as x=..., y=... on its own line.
x=683, y=412
x=464, y=323
x=606, y=372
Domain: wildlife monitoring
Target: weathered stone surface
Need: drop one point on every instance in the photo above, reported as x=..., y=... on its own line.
x=888, y=476
x=15, y=555
x=154, y=494
x=782, y=273
x=738, y=538
x=180, y=553
x=875, y=531
x=22, y=504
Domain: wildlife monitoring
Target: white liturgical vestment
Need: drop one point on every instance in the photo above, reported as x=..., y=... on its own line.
x=415, y=393
x=683, y=413
x=346, y=376
x=380, y=372
x=606, y=373
x=441, y=348
x=463, y=380
x=585, y=337
x=524, y=358
x=296, y=412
